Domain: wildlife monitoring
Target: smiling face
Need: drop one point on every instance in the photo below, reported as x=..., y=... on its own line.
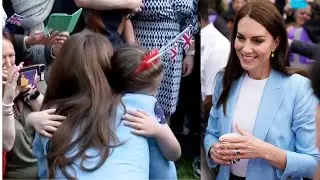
x=8, y=54
x=253, y=45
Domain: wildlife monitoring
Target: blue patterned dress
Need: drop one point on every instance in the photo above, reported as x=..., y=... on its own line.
x=159, y=22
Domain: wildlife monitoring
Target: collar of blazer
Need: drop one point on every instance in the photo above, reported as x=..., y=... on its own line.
x=271, y=99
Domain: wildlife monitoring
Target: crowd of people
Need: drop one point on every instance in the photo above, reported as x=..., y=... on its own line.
x=114, y=94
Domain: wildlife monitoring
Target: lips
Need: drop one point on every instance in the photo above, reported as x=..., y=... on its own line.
x=248, y=58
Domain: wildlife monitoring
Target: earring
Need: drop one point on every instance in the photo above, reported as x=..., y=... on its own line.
x=272, y=54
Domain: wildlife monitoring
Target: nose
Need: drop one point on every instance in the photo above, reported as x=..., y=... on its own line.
x=247, y=47
x=7, y=62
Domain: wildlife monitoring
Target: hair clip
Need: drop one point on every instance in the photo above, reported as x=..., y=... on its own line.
x=148, y=60
x=155, y=54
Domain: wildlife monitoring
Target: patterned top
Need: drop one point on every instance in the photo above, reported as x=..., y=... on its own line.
x=158, y=23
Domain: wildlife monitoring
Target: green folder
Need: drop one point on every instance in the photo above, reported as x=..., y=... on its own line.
x=62, y=22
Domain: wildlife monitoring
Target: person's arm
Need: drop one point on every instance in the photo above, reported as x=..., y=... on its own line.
x=311, y=51
x=36, y=103
x=212, y=130
x=8, y=129
x=306, y=154
x=109, y=4
x=128, y=32
x=146, y=125
x=168, y=143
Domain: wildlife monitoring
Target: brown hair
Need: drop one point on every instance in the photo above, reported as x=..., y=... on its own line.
x=125, y=62
x=265, y=13
x=7, y=35
x=79, y=89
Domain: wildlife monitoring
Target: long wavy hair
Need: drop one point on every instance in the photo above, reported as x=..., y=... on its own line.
x=78, y=89
x=266, y=14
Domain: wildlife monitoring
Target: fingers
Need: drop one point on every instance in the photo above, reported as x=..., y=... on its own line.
x=54, y=123
x=233, y=139
x=188, y=70
x=20, y=66
x=241, y=131
x=4, y=76
x=144, y=113
x=184, y=69
x=57, y=117
x=65, y=34
x=45, y=133
x=217, y=160
x=232, y=146
x=133, y=125
x=50, y=129
x=137, y=113
x=15, y=77
x=139, y=132
x=12, y=72
x=50, y=111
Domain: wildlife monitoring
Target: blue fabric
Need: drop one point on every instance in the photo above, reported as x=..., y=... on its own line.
x=285, y=119
x=130, y=160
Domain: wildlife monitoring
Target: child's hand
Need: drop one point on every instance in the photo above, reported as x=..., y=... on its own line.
x=142, y=122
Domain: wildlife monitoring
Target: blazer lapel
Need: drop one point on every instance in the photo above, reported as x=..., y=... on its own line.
x=233, y=95
x=269, y=105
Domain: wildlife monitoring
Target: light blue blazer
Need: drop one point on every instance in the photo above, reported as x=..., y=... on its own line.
x=285, y=119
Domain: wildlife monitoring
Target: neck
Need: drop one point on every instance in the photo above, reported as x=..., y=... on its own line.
x=259, y=74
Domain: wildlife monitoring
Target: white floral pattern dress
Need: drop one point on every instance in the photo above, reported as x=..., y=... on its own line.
x=159, y=22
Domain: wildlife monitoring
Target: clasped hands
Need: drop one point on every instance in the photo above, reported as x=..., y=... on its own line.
x=232, y=147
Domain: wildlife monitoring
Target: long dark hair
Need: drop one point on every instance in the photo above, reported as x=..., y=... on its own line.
x=79, y=90
x=265, y=13
x=123, y=77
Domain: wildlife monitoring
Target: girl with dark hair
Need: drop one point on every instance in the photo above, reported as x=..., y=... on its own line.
x=269, y=106
x=136, y=75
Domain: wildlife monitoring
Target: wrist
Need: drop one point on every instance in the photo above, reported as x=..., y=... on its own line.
x=158, y=131
x=264, y=151
x=191, y=53
x=6, y=101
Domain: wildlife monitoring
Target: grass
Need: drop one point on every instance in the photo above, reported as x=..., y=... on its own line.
x=185, y=169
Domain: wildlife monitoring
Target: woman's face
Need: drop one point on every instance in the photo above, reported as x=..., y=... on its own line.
x=8, y=54
x=253, y=45
x=302, y=15
x=237, y=4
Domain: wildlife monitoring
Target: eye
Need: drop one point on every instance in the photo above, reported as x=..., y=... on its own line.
x=240, y=38
x=11, y=55
x=258, y=41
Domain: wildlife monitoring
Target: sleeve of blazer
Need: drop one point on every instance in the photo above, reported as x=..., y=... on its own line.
x=311, y=51
x=212, y=132
x=302, y=162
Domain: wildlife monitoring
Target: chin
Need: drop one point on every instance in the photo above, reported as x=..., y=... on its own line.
x=247, y=67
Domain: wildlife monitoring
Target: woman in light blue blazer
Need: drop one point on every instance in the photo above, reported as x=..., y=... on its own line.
x=268, y=106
